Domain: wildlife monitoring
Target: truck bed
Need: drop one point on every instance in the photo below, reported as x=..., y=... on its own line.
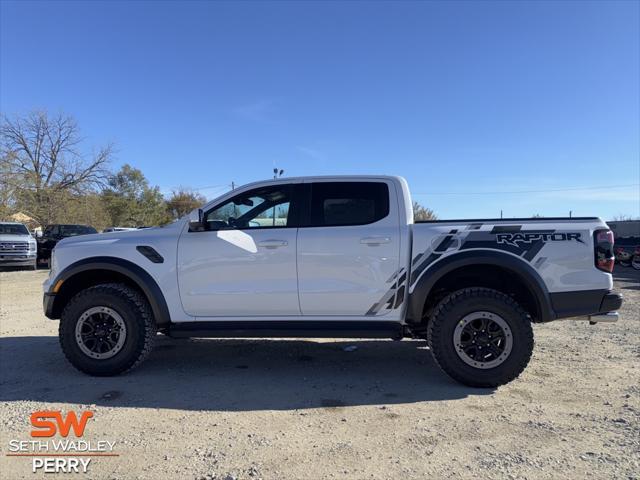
x=509, y=220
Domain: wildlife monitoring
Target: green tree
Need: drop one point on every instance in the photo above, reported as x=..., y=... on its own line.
x=182, y=201
x=131, y=202
x=422, y=213
x=86, y=209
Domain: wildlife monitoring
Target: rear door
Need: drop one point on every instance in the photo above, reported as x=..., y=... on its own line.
x=349, y=248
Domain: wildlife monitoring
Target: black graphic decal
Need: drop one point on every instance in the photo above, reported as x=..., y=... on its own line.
x=518, y=238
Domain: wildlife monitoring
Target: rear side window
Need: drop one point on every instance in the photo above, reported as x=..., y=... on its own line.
x=348, y=203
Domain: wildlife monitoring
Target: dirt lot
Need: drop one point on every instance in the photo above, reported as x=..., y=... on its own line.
x=277, y=409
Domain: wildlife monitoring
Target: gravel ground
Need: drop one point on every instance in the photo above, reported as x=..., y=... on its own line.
x=276, y=409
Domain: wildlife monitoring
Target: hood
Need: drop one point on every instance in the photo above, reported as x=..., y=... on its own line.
x=111, y=237
x=16, y=238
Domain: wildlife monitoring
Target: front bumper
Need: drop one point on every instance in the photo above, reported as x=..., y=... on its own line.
x=17, y=260
x=47, y=304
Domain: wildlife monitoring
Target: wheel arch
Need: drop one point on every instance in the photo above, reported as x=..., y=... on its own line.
x=471, y=264
x=96, y=270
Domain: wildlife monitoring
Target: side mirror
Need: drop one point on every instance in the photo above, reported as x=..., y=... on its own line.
x=217, y=225
x=196, y=221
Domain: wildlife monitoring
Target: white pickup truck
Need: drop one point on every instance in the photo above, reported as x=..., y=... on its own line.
x=17, y=247
x=331, y=257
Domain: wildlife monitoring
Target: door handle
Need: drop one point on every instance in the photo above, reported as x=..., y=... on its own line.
x=273, y=243
x=374, y=241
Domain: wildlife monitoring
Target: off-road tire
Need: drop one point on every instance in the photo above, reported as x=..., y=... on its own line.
x=452, y=309
x=134, y=310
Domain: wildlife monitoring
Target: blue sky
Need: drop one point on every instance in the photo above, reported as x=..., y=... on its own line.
x=462, y=98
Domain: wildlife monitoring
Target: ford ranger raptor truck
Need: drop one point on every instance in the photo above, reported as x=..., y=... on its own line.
x=334, y=257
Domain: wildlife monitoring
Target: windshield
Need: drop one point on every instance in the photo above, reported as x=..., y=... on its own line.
x=71, y=230
x=13, y=229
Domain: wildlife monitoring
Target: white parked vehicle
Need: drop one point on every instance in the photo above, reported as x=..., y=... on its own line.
x=331, y=257
x=17, y=247
x=118, y=229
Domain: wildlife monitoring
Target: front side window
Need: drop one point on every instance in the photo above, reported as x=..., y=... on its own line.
x=348, y=203
x=266, y=207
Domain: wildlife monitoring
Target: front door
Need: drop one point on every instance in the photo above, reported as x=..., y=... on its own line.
x=244, y=263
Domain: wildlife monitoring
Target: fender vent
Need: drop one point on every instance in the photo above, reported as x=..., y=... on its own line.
x=150, y=253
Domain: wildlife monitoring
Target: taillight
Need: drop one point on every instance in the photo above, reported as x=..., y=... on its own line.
x=603, y=250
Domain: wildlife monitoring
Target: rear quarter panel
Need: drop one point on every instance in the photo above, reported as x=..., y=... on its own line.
x=561, y=251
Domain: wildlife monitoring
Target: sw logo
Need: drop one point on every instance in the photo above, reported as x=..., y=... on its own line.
x=515, y=239
x=48, y=428
x=46, y=424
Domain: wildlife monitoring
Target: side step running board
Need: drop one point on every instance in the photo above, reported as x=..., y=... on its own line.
x=286, y=329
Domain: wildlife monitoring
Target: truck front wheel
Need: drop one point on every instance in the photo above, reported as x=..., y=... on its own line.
x=480, y=337
x=107, y=329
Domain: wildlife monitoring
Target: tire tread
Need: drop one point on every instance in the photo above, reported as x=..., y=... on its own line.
x=143, y=312
x=442, y=314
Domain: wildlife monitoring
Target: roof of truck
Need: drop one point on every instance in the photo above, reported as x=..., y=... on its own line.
x=281, y=180
x=326, y=177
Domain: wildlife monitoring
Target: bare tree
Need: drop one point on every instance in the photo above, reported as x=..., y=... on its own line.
x=42, y=161
x=421, y=212
x=7, y=197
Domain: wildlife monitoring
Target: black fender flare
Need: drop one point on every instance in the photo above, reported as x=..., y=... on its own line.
x=524, y=270
x=139, y=276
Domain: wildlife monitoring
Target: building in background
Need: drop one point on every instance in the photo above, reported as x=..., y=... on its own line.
x=626, y=233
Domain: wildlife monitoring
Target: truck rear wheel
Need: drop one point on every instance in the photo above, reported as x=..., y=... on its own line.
x=480, y=337
x=107, y=329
